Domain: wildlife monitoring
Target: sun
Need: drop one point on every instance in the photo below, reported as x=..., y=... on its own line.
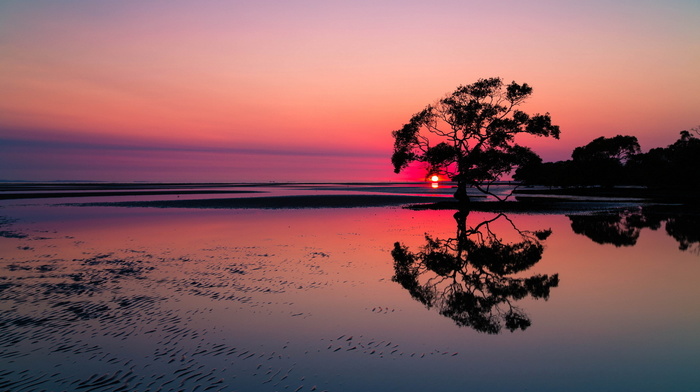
x=434, y=178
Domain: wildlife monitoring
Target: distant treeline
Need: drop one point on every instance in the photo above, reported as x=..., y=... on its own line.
x=619, y=161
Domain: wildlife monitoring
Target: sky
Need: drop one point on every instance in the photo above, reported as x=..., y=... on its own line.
x=259, y=91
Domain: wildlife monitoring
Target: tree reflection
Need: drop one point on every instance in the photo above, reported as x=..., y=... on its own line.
x=622, y=228
x=471, y=278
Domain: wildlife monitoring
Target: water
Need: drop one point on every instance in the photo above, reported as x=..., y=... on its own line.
x=103, y=298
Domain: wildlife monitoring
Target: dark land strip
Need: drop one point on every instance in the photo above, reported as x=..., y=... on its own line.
x=535, y=205
x=532, y=205
x=72, y=186
x=280, y=202
x=648, y=194
x=42, y=195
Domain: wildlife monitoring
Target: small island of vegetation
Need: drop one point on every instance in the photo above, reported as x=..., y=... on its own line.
x=609, y=163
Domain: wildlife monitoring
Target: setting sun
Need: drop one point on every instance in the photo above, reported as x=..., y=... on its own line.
x=434, y=178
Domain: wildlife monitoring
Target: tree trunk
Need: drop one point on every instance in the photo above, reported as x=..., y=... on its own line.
x=461, y=193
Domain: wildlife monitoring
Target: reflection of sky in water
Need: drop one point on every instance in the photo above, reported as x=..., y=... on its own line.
x=296, y=299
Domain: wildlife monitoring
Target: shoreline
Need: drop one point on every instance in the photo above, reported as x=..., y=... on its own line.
x=416, y=196
x=276, y=202
x=416, y=203
x=52, y=195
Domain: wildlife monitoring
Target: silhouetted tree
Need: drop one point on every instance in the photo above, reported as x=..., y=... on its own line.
x=602, y=161
x=546, y=173
x=469, y=278
x=674, y=167
x=476, y=126
x=618, y=161
x=619, y=148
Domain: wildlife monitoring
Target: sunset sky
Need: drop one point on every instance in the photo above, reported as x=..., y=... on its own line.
x=262, y=90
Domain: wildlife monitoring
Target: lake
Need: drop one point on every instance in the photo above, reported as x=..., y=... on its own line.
x=98, y=296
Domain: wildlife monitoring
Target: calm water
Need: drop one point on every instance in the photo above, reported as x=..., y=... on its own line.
x=346, y=299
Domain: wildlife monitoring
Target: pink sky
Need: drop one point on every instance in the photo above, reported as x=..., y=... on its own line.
x=311, y=90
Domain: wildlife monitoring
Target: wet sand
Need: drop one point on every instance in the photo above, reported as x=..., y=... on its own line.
x=213, y=309
x=52, y=195
x=280, y=202
x=11, y=191
x=412, y=195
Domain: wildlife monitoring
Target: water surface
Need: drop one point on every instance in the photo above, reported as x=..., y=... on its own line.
x=102, y=298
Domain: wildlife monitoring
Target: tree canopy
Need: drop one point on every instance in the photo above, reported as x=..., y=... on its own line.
x=620, y=148
x=468, y=135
